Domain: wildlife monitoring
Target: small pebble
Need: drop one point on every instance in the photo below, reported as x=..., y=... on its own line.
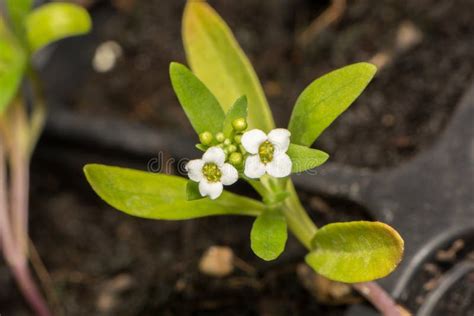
x=217, y=261
x=106, y=56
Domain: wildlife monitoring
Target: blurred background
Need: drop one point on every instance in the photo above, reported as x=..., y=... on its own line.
x=111, y=101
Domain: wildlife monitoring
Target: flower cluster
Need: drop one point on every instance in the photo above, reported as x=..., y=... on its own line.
x=253, y=153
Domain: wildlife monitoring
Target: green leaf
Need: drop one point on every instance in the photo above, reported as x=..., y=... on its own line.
x=199, y=104
x=355, y=251
x=217, y=59
x=12, y=66
x=201, y=147
x=18, y=10
x=159, y=196
x=305, y=158
x=238, y=110
x=268, y=235
x=55, y=21
x=192, y=191
x=325, y=99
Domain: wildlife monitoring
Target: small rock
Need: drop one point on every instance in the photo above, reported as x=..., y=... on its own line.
x=106, y=56
x=324, y=290
x=111, y=289
x=217, y=261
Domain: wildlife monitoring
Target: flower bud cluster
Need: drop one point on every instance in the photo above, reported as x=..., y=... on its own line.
x=230, y=145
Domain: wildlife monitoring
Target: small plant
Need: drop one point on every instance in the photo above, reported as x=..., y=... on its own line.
x=23, y=32
x=227, y=108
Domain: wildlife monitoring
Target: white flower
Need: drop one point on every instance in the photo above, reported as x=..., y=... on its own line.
x=268, y=153
x=212, y=172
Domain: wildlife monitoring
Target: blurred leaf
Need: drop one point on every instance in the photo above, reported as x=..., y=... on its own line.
x=355, y=251
x=325, y=99
x=268, y=235
x=54, y=21
x=217, y=59
x=192, y=191
x=12, y=66
x=305, y=158
x=201, y=147
x=18, y=10
x=238, y=110
x=159, y=196
x=199, y=104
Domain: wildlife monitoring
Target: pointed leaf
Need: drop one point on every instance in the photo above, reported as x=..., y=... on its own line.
x=201, y=147
x=325, y=99
x=238, y=110
x=159, y=196
x=199, y=104
x=305, y=158
x=217, y=59
x=54, y=21
x=192, y=191
x=355, y=251
x=268, y=235
x=12, y=66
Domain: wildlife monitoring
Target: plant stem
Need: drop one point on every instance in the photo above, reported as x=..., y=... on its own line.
x=29, y=289
x=376, y=295
x=38, y=115
x=14, y=215
x=298, y=220
x=6, y=236
x=19, y=163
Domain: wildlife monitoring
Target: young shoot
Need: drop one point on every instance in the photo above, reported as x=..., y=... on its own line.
x=225, y=104
x=24, y=31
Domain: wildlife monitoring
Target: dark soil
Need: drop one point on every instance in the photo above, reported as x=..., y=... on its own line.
x=400, y=113
x=103, y=262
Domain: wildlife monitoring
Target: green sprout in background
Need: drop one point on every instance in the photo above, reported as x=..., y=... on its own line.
x=23, y=32
x=224, y=102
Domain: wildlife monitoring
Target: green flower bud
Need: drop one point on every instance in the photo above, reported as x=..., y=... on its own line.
x=220, y=137
x=239, y=124
x=238, y=139
x=236, y=158
x=205, y=138
x=227, y=142
x=232, y=148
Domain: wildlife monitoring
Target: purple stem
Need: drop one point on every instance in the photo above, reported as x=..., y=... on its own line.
x=19, y=165
x=14, y=233
x=378, y=297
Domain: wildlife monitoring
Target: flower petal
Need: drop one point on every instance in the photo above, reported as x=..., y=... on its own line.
x=252, y=140
x=254, y=168
x=280, y=166
x=229, y=174
x=194, y=169
x=211, y=189
x=280, y=138
x=214, y=155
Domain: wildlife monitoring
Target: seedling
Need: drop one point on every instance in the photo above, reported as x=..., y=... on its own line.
x=23, y=32
x=226, y=106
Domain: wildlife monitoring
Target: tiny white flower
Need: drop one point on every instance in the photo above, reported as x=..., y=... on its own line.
x=212, y=172
x=267, y=153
